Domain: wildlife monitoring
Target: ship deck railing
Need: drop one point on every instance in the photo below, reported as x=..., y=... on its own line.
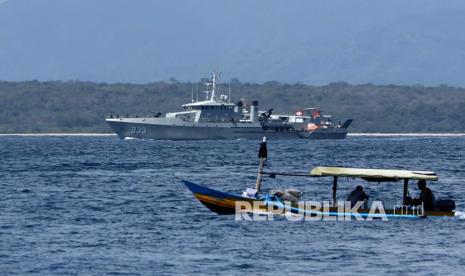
x=118, y=116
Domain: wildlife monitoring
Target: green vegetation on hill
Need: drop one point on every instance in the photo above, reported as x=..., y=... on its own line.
x=54, y=106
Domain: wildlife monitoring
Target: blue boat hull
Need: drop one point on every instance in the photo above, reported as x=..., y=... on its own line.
x=218, y=202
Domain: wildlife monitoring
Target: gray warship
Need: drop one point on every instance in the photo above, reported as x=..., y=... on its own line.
x=217, y=118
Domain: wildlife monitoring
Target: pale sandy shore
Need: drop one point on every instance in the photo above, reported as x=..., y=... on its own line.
x=350, y=134
x=408, y=134
x=59, y=134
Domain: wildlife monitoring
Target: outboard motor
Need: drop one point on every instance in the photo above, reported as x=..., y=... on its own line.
x=446, y=205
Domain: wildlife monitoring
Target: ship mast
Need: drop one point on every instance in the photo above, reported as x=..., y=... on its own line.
x=213, y=96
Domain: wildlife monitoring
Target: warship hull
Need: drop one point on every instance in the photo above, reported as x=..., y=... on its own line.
x=217, y=118
x=161, y=130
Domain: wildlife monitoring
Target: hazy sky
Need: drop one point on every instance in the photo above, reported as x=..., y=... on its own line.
x=396, y=41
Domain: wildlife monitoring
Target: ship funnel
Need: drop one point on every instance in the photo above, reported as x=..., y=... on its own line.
x=254, y=112
x=238, y=107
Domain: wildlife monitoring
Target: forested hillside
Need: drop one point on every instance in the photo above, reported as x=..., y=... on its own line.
x=41, y=107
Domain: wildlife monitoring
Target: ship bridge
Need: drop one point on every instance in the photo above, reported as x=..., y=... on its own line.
x=212, y=110
x=207, y=111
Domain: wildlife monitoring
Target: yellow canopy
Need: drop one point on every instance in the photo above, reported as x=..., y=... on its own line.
x=373, y=174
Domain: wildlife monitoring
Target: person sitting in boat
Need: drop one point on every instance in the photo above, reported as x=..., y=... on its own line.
x=426, y=196
x=357, y=195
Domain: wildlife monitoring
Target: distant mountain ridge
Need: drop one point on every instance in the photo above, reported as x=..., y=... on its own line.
x=317, y=42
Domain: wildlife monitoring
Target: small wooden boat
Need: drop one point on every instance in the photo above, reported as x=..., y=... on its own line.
x=225, y=203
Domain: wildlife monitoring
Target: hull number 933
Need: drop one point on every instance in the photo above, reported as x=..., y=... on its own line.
x=138, y=130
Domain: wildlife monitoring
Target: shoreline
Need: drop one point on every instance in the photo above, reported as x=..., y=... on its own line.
x=407, y=134
x=57, y=134
x=361, y=134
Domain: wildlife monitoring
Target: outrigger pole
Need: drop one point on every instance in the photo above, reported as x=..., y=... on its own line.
x=262, y=155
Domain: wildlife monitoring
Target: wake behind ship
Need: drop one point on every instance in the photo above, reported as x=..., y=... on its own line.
x=217, y=118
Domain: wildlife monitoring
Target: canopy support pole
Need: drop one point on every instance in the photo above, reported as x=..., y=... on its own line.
x=258, y=183
x=334, y=190
x=404, y=198
x=262, y=155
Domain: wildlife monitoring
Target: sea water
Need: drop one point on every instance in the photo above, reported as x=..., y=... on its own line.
x=100, y=205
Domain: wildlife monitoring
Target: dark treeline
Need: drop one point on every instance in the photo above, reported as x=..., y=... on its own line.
x=35, y=107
